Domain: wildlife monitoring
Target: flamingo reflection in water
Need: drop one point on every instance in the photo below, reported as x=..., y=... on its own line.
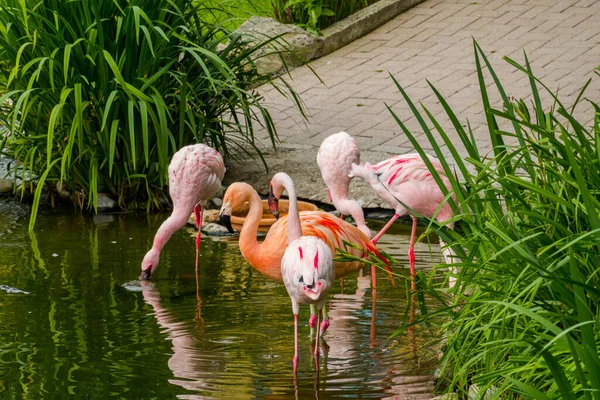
x=202, y=367
x=394, y=367
x=193, y=368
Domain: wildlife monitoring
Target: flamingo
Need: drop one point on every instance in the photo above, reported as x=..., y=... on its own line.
x=307, y=263
x=406, y=180
x=280, y=182
x=335, y=158
x=195, y=175
x=266, y=256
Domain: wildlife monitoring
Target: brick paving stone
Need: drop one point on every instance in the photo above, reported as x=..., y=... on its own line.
x=434, y=41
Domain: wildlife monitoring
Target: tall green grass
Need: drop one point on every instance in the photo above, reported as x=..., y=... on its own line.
x=524, y=318
x=237, y=11
x=105, y=91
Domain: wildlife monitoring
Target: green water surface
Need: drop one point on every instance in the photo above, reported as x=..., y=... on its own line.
x=76, y=323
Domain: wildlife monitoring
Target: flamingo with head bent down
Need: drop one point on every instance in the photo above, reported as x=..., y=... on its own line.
x=335, y=158
x=307, y=263
x=195, y=175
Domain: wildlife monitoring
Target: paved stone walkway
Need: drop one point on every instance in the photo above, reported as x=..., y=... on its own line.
x=434, y=41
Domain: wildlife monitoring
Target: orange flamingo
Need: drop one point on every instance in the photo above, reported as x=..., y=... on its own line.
x=266, y=256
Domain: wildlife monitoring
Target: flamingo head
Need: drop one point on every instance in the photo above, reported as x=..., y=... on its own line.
x=313, y=290
x=273, y=203
x=149, y=264
x=364, y=171
x=225, y=216
x=276, y=188
x=235, y=198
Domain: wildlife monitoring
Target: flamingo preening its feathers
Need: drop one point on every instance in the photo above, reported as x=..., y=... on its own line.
x=406, y=181
x=335, y=158
x=401, y=180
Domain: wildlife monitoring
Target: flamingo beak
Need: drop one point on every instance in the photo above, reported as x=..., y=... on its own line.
x=273, y=204
x=146, y=274
x=225, y=220
x=314, y=292
x=225, y=217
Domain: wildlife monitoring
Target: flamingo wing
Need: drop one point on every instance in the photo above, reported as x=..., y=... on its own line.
x=409, y=180
x=332, y=230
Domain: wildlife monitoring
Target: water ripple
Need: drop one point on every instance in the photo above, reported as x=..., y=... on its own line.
x=9, y=289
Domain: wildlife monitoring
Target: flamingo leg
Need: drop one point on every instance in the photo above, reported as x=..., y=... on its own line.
x=374, y=274
x=295, y=359
x=373, y=277
x=373, y=318
x=198, y=211
x=325, y=323
x=312, y=320
x=317, y=338
x=411, y=254
x=385, y=228
x=411, y=330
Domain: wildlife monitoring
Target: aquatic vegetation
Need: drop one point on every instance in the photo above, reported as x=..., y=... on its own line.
x=104, y=92
x=523, y=319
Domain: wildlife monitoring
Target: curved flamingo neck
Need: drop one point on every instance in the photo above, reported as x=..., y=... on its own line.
x=353, y=208
x=294, y=228
x=248, y=243
x=339, y=193
x=176, y=221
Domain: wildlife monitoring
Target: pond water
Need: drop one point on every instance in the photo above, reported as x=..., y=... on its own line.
x=74, y=323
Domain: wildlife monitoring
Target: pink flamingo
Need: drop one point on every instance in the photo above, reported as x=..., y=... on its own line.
x=307, y=263
x=405, y=180
x=280, y=182
x=335, y=158
x=195, y=175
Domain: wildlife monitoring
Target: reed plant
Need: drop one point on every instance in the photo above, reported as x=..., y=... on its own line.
x=103, y=92
x=523, y=320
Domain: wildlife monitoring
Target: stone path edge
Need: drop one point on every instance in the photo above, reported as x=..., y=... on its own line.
x=294, y=158
x=361, y=23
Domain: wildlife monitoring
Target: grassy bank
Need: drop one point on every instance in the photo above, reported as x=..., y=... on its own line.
x=232, y=13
